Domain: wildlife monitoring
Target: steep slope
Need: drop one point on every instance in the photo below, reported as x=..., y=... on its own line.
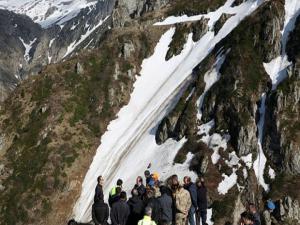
x=182, y=85
x=52, y=123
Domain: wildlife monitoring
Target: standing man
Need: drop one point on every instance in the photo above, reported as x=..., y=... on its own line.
x=166, y=203
x=140, y=187
x=147, y=218
x=182, y=202
x=120, y=211
x=113, y=191
x=99, y=189
x=192, y=189
x=201, y=201
x=256, y=216
x=100, y=212
x=136, y=206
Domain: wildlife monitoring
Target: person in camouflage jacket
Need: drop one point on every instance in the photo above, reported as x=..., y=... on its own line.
x=182, y=200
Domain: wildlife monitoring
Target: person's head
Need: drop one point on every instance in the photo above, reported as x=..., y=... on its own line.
x=147, y=173
x=118, y=190
x=139, y=180
x=100, y=180
x=119, y=182
x=247, y=218
x=155, y=176
x=123, y=196
x=148, y=211
x=252, y=208
x=150, y=193
x=134, y=192
x=72, y=222
x=174, y=182
x=200, y=182
x=187, y=180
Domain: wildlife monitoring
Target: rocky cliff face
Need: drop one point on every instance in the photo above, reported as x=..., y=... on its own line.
x=52, y=123
x=32, y=47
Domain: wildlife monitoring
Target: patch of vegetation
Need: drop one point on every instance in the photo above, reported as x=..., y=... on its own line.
x=224, y=207
x=284, y=185
x=27, y=157
x=43, y=89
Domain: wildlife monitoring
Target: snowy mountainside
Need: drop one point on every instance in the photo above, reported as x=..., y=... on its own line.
x=47, y=12
x=32, y=50
x=202, y=88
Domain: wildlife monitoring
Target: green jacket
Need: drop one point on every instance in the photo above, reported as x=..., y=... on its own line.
x=146, y=221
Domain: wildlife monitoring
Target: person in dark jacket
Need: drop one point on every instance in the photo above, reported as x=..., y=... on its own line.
x=99, y=189
x=100, y=212
x=136, y=206
x=153, y=203
x=120, y=211
x=192, y=189
x=115, y=198
x=140, y=187
x=166, y=203
x=201, y=201
x=255, y=213
x=147, y=176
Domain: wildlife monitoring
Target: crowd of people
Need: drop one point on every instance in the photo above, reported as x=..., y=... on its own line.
x=163, y=203
x=152, y=202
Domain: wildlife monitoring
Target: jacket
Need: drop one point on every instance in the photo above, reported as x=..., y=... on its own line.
x=141, y=190
x=192, y=189
x=146, y=221
x=166, y=203
x=98, y=193
x=119, y=213
x=100, y=212
x=182, y=202
x=202, y=198
x=136, y=206
x=154, y=203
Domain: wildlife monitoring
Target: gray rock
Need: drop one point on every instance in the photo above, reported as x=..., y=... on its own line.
x=128, y=48
x=79, y=69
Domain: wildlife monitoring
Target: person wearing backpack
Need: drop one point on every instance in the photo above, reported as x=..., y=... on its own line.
x=147, y=218
x=136, y=206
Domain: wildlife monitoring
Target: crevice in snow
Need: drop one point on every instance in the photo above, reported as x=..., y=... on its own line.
x=27, y=48
x=260, y=163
